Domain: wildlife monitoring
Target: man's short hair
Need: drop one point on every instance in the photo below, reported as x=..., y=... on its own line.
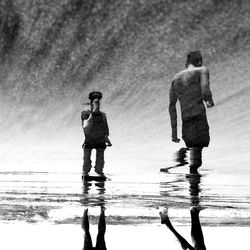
x=95, y=95
x=194, y=58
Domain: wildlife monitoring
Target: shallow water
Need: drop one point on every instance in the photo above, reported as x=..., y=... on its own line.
x=59, y=198
x=47, y=207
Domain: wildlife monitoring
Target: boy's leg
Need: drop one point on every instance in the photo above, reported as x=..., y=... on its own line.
x=87, y=237
x=195, y=159
x=100, y=241
x=99, y=164
x=196, y=232
x=86, y=161
x=165, y=220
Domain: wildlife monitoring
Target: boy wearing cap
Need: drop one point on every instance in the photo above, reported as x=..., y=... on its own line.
x=96, y=131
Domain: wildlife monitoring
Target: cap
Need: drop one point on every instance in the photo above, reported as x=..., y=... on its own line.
x=95, y=95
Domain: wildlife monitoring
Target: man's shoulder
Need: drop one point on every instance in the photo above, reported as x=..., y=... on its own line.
x=186, y=72
x=178, y=76
x=202, y=69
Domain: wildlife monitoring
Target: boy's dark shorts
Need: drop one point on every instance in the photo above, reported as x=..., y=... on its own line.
x=94, y=145
x=195, y=131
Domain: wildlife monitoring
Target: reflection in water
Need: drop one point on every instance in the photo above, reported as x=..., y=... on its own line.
x=100, y=240
x=196, y=231
x=99, y=198
x=176, y=186
x=58, y=198
x=194, y=188
x=180, y=158
x=194, y=180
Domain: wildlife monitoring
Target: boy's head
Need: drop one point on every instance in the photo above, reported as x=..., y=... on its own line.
x=194, y=58
x=95, y=98
x=95, y=95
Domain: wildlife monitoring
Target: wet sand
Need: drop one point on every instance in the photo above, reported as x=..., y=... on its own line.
x=45, y=236
x=59, y=198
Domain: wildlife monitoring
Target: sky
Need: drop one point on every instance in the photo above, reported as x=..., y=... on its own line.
x=55, y=52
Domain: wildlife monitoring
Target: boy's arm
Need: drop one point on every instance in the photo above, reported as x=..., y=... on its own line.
x=109, y=144
x=205, y=87
x=173, y=113
x=87, y=121
x=106, y=124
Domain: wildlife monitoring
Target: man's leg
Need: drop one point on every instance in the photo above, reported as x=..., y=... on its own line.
x=196, y=232
x=181, y=155
x=99, y=164
x=165, y=220
x=100, y=241
x=87, y=237
x=86, y=161
x=194, y=188
x=195, y=159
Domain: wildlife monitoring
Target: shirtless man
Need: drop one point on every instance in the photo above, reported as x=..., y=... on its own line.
x=191, y=88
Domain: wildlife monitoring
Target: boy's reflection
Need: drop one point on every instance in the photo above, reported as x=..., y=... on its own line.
x=96, y=199
x=100, y=240
x=100, y=187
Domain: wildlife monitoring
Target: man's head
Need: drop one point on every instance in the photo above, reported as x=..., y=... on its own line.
x=194, y=58
x=95, y=98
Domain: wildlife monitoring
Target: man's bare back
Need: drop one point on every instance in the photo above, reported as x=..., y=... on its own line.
x=191, y=87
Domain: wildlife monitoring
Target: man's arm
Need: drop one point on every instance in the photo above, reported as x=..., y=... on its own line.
x=173, y=113
x=205, y=87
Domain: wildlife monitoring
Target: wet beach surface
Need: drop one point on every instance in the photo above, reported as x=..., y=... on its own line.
x=59, y=198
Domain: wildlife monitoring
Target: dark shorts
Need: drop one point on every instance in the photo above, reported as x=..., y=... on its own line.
x=195, y=131
x=94, y=145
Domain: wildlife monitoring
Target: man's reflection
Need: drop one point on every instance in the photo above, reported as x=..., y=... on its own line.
x=194, y=179
x=194, y=188
x=180, y=157
x=196, y=231
x=100, y=240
